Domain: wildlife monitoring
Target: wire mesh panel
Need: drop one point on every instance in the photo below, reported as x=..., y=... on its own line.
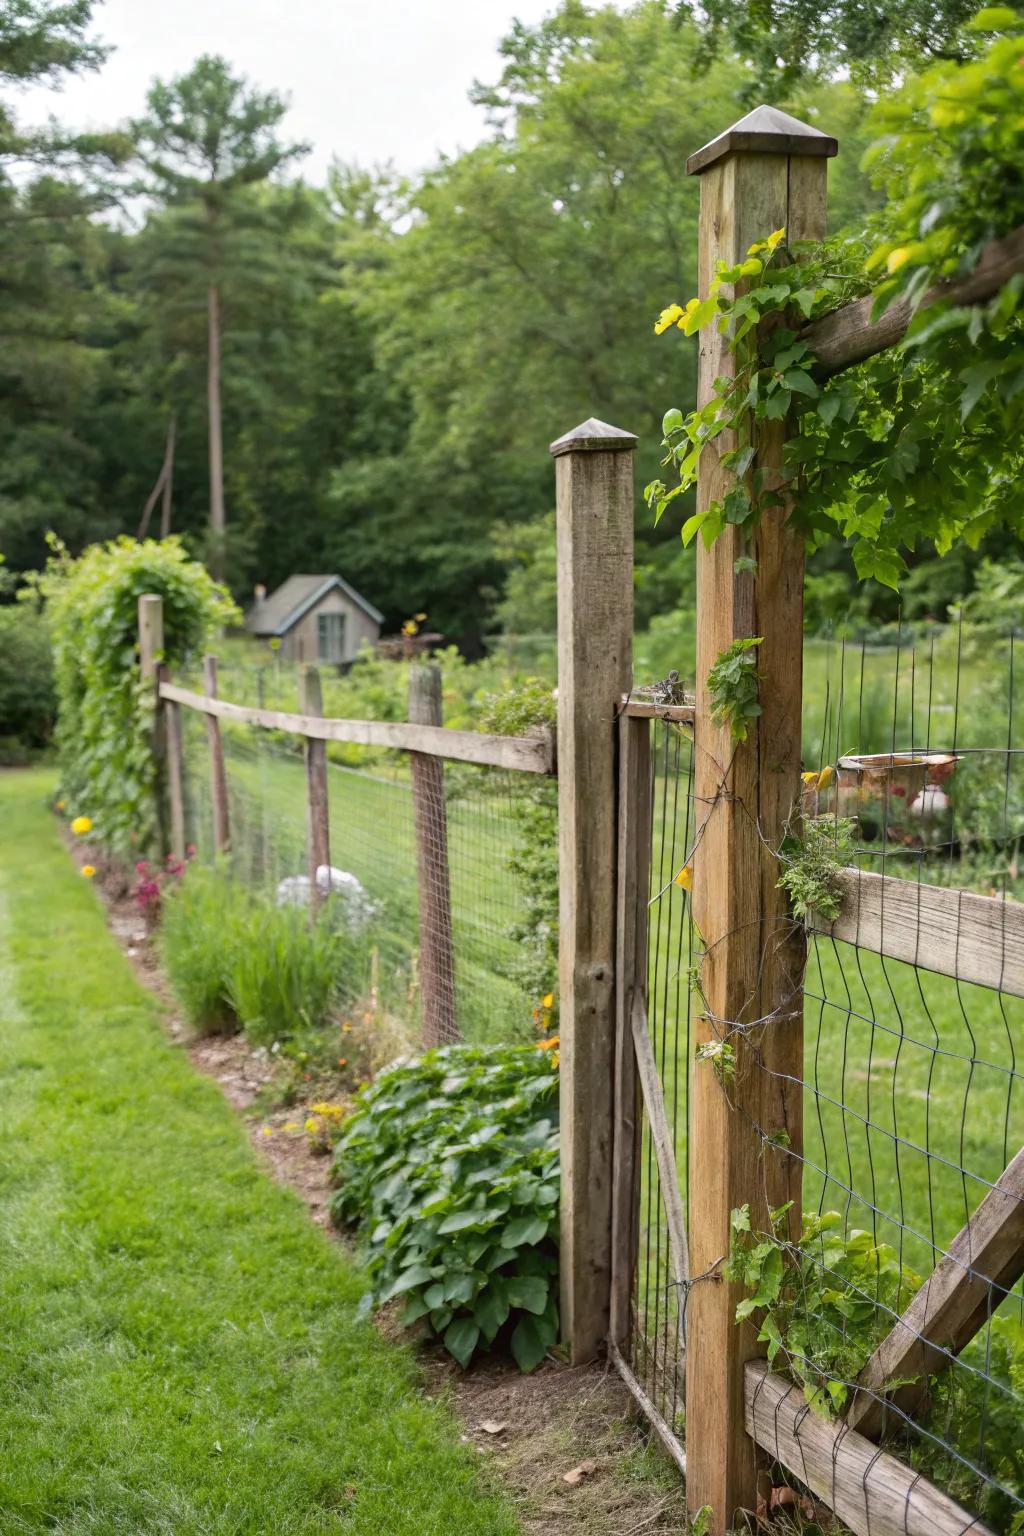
x=656, y=1351
x=498, y=868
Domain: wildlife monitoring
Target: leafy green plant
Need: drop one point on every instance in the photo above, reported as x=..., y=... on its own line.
x=822, y=1304
x=28, y=704
x=450, y=1165
x=922, y=441
x=732, y=683
x=105, y=716
x=286, y=971
x=813, y=876
x=200, y=923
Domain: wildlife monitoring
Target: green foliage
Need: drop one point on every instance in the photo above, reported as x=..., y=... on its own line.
x=235, y=958
x=105, y=716
x=27, y=701
x=732, y=683
x=821, y=1305
x=922, y=441
x=450, y=1165
x=814, y=864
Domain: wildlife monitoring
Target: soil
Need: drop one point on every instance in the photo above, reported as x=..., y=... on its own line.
x=565, y=1441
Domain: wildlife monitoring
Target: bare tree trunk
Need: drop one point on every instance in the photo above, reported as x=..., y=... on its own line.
x=218, y=521
x=165, y=509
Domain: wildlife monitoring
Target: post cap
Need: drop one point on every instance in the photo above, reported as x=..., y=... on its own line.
x=593, y=436
x=767, y=131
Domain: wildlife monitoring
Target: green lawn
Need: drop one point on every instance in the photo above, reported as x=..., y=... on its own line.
x=179, y=1346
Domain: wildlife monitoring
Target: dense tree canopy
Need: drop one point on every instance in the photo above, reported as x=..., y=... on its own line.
x=395, y=356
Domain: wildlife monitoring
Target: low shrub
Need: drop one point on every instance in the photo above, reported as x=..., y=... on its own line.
x=237, y=959
x=450, y=1165
x=200, y=921
x=28, y=703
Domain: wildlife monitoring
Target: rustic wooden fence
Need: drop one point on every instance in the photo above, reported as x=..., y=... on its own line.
x=627, y=1119
x=655, y=798
x=423, y=739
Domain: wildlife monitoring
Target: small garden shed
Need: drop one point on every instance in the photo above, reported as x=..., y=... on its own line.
x=316, y=618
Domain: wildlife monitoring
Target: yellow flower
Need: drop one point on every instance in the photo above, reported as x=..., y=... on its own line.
x=547, y=1000
x=419, y=617
x=666, y=318
x=81, y=825
x=897, y=258
x=826, y=776
x=291, y=1125
x=685, y=877
x=555, y=1057
x=548, y=1045
x=811, y=777
x=346, y=1028
x=88, y=870
x=265, y=1130
x=61, y=805
x=311, y=1126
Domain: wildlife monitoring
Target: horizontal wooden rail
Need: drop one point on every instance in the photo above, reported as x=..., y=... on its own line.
x=525, y=754
x=871, y=1492
x=957, y=933
x=849, y=335
x=984, y=1262
x=647, y=709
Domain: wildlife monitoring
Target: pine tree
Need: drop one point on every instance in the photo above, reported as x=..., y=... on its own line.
x=208, y=143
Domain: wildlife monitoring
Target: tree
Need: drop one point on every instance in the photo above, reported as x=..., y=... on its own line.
x=208, y=141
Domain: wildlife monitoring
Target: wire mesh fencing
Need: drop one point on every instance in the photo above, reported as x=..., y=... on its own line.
x=471, y=859
x=899, y=1312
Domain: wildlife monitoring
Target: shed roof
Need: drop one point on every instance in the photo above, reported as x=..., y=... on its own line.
x=279, y=612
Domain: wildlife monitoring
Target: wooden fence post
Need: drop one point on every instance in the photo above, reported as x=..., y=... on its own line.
x=151, y=649
x=594, y=479
x=218, y=776
x=318, y=815
x=437, y=950
x=766, y=172
x=175, y=773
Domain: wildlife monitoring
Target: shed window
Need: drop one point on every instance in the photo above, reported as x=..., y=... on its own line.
x=331, y=636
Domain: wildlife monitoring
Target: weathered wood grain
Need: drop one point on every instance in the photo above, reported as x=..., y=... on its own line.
x=218, y=774
x=663, y=1430
x=437, y=949
x=984, y=1261
x=849, y=335
x=871, y=1492
x=318, y=821
x=594, y=495
x=753, y=965
x=523, y=754
x=957, y=933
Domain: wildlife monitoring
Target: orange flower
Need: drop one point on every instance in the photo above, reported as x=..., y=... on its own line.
x=548, y=1045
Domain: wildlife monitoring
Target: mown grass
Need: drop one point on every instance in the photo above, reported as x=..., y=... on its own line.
x=180, y=1350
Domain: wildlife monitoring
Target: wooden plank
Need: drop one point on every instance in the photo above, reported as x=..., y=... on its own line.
x=663, y=1430
x=752, y=968
x=318, y=823
x=523, y=754
x=218, y=775
x=151, y=636
x=664, y=1148
x=151, y=650
x=634, y=883
x=871, y=1492
x=437, y=949
x=644, y=709
x=175, y=777
x=984, y=1261
x=957, y=933
x=849, y=335
x=594, y=497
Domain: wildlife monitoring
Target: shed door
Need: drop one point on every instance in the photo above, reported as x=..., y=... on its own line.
x=331, y=636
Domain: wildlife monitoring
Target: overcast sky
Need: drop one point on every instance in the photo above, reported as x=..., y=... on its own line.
x=369, y=80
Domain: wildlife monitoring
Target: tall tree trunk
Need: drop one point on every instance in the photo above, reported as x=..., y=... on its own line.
x=168, y=493
x=218, y=520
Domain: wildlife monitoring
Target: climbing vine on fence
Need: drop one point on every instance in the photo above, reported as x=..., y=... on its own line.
x=105, y=716
x=922, y=441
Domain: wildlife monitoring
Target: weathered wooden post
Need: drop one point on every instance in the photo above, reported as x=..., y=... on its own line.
x=437, y=950
x=218, y=776
x=151, y=672
x=175, y=772
x=318, y=814
x=766, y=172
x=594, y=477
